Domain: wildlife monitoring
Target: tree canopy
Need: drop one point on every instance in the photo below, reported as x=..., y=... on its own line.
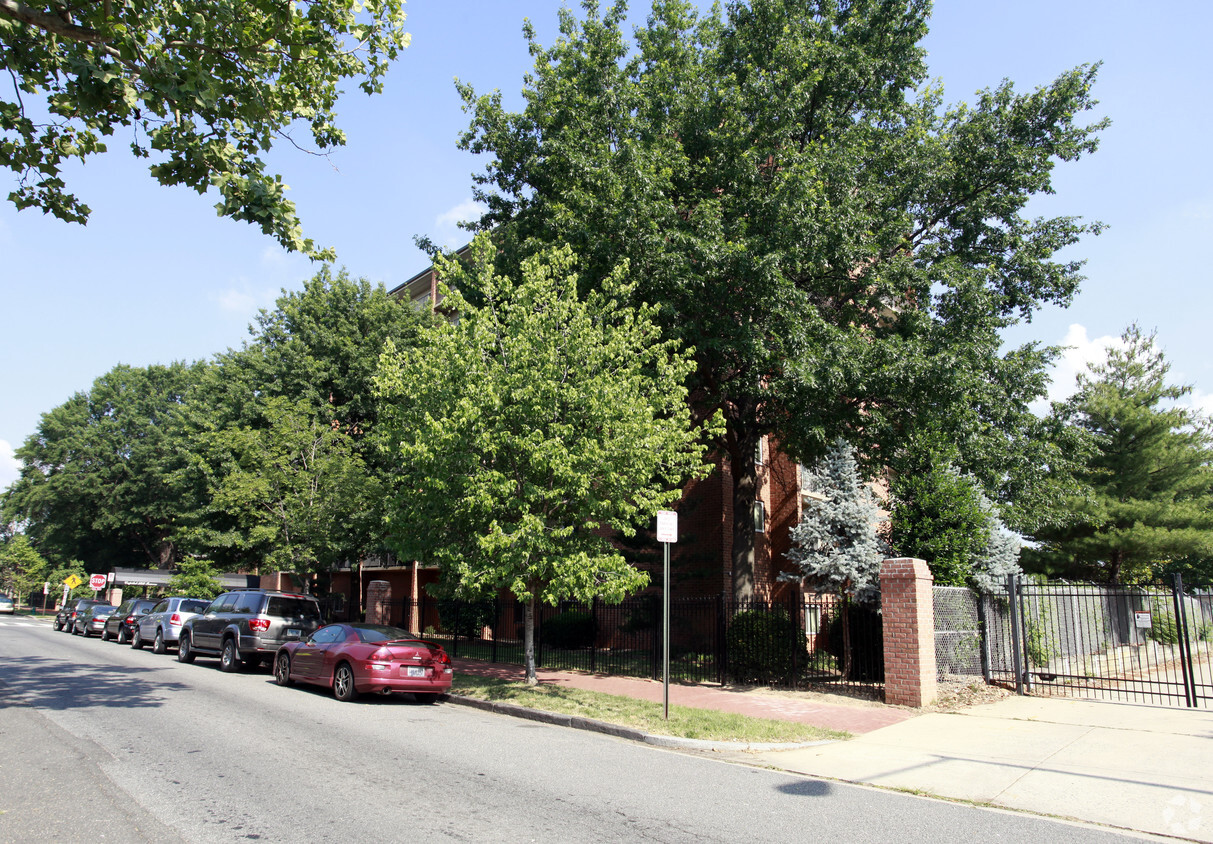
x=1146, y=495
x=107, y=475
x=530, y=426
x=203, y=89
x=840, y=248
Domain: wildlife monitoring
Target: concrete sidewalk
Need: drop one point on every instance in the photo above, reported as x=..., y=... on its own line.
x=1143, y=768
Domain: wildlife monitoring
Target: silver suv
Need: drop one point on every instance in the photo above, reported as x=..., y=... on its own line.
x=247, y=627
x=163, y=622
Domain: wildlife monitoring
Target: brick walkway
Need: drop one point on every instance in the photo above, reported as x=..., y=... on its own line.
x=852, y=716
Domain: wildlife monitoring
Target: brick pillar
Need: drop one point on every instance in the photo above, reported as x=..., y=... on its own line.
x=378, y=598
x=907, y=604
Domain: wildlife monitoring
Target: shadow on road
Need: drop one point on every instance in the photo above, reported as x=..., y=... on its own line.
x=57, y=684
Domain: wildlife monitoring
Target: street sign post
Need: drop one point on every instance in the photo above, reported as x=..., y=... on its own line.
x=667, y=532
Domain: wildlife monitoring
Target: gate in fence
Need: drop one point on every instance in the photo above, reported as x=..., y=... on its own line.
x=1145, y=644
x=797, y=642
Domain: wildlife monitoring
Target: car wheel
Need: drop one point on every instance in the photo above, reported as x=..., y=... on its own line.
x=137, y=639
x=58, y=625
x=122, y=637
x=105, y=634
x=282, y=669
x=343, y=683
x=185, y=653
x=158, y=646
x=229, y=657
x=425, y=697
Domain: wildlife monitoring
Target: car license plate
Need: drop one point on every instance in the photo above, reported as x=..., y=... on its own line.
x=292, y=634
x=416, y=671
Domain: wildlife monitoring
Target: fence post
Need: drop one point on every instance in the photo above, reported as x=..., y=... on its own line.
x=594, y=637
x=909, y=631
x=1181, y=639
x=719, y=651
x=496, y=627
x=1016, y=654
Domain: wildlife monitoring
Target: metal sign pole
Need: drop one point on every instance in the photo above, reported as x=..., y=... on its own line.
x=665, y=658
x=667, y=532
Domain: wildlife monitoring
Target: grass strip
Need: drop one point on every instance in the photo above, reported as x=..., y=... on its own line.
x=643, y=715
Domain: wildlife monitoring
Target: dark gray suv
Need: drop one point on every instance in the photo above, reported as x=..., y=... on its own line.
x=247, y=627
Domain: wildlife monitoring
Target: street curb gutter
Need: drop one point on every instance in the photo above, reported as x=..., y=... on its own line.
x=578, y=723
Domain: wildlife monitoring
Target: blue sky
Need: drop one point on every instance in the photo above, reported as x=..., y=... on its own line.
x=156, y=276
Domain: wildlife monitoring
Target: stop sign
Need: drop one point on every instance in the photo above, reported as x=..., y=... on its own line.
x=97, y=581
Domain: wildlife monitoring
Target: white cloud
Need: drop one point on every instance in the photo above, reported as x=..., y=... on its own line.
x=448, y=233
x=242, y=300
x=1080, y=352
x=9, y=467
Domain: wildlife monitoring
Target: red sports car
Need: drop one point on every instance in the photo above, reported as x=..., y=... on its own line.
x=356, y=658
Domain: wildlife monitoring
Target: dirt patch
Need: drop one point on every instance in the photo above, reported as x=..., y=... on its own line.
x=956, y=694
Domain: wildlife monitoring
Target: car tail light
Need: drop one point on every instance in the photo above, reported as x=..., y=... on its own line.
x=130, y=619
x=259, y=625
x=175, y=618
x=441, y=657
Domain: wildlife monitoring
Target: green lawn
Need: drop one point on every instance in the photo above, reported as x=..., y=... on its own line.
x=685, y=722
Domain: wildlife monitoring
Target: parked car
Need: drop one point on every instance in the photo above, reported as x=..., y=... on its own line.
x=6, y=605
x=120, y=624
x=355, y=658
x=92, y=620
x=162, y=625
x=65, y=619
x=247, y=627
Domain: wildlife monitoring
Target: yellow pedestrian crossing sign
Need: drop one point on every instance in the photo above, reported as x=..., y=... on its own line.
x=72, y=581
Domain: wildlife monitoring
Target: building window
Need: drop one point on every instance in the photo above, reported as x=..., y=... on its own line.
x=812, y=620
x=760, y=517
x=760, y=451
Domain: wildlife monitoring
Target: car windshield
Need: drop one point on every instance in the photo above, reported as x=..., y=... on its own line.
x=296, y=608
x=382, y=633
x=104, y=610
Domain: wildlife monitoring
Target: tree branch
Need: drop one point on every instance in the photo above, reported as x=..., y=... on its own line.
x=49, y=23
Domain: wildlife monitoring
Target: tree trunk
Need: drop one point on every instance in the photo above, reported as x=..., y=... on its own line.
x=528, y=640
x=745, y=494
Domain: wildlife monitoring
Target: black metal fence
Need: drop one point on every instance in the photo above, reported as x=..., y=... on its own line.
x=790, y=643
x=1149, y=644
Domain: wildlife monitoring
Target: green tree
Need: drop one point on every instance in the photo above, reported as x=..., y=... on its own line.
x=940, y=515
x=107, y=475
x=840, y=249
x=202, y=88
x=1147, y=486
x=309, y=365
x=195, y=578
x=22, y=568
x=296, y=495
x=532, y=426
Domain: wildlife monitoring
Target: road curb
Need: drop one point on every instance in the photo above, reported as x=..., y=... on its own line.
x=576, y=722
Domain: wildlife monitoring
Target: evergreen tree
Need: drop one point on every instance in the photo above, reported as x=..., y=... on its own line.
x=1147, y=485
x=835, y=546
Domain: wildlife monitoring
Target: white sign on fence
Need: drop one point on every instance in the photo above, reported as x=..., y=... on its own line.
x=1143, y=620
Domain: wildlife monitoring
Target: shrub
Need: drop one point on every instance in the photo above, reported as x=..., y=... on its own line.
x=765, y=647
x=465, y=619
x=570, y=630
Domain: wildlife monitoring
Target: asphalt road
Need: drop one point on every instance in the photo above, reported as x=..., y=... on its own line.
x=102, y=742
